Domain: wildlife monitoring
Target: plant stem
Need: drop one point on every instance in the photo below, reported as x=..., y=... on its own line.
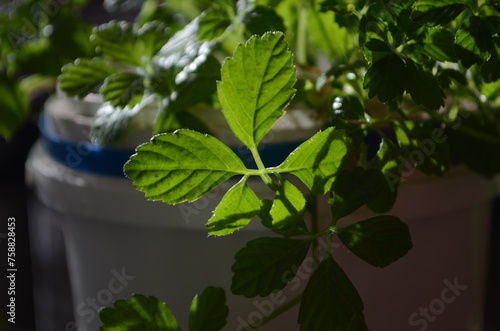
x=302, y=27
x=275, y=314
x=260, y=165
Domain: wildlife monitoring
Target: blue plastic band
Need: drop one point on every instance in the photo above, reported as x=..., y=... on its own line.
x=84, y=156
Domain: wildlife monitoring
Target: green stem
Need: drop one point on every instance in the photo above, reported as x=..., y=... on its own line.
x=302, y=27
x=262, y=168
x=275, y=314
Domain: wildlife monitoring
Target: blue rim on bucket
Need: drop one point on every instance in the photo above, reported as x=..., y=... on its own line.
x=100, y=160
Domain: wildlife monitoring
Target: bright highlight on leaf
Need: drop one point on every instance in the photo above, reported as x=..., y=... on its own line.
x=317, y=161
x=286, y=213
x=236, y=209
x=138, y=313
x=257, y=83
x=209, y=310
x=182, y=166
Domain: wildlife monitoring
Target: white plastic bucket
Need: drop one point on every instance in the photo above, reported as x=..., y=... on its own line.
x=118, y=243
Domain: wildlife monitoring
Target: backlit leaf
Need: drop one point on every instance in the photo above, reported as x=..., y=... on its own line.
x=317, y=161
x=138, y=313
x=181, y=166
x=257, y=83
x=238, y=206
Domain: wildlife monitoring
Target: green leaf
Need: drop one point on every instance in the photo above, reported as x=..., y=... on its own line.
x=261, y=265
x=490, y=70
x=14, y=106
x=476, y=36
x=446, y=75
x=330, y=301
x=285, y=215
x=139, y=313
x=377, y=45
x=380, y=240
x=257, y=83
x=491, y=90
x=388, y=160
x=123, y=89
x=196, y=84
x=260, y=20
x=209, y=310
x=424, y=147
x=439, y=45
x=317, y=160
x=424, y=87
x=84, y=76
x=151, y=38
x=181, y=166
x=183, y=48
x=386, y=78
x=213, y=23
x=342, y=7
x=354, y=188
x=236, y=209
x=437, y=12
x=475, y=141
x=118, y=40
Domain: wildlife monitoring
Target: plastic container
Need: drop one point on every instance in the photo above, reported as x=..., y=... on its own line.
x=118, y=243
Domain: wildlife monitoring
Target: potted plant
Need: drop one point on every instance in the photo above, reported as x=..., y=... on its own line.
x=420, y=77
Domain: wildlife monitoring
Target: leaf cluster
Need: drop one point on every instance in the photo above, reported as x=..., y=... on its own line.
x=185, y=165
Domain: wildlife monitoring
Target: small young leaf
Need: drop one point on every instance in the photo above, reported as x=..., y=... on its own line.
x=386, y=78
x=213, y=23
x=238, y=206
x=437, y=12
x=138, y=313
x=151, y=38
x=354, y=188
x=194, y=85
x=317, y=160
x=285, y=215
x=123, y=89
x=183, y=48
x=424, y=87
x=265, y=265
x=118, y=40
x=380, y=240
x=209, y=310
x=14, y=106
x=182, y=166
x=84, y=76
x=257, y=83
x=330, y=301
